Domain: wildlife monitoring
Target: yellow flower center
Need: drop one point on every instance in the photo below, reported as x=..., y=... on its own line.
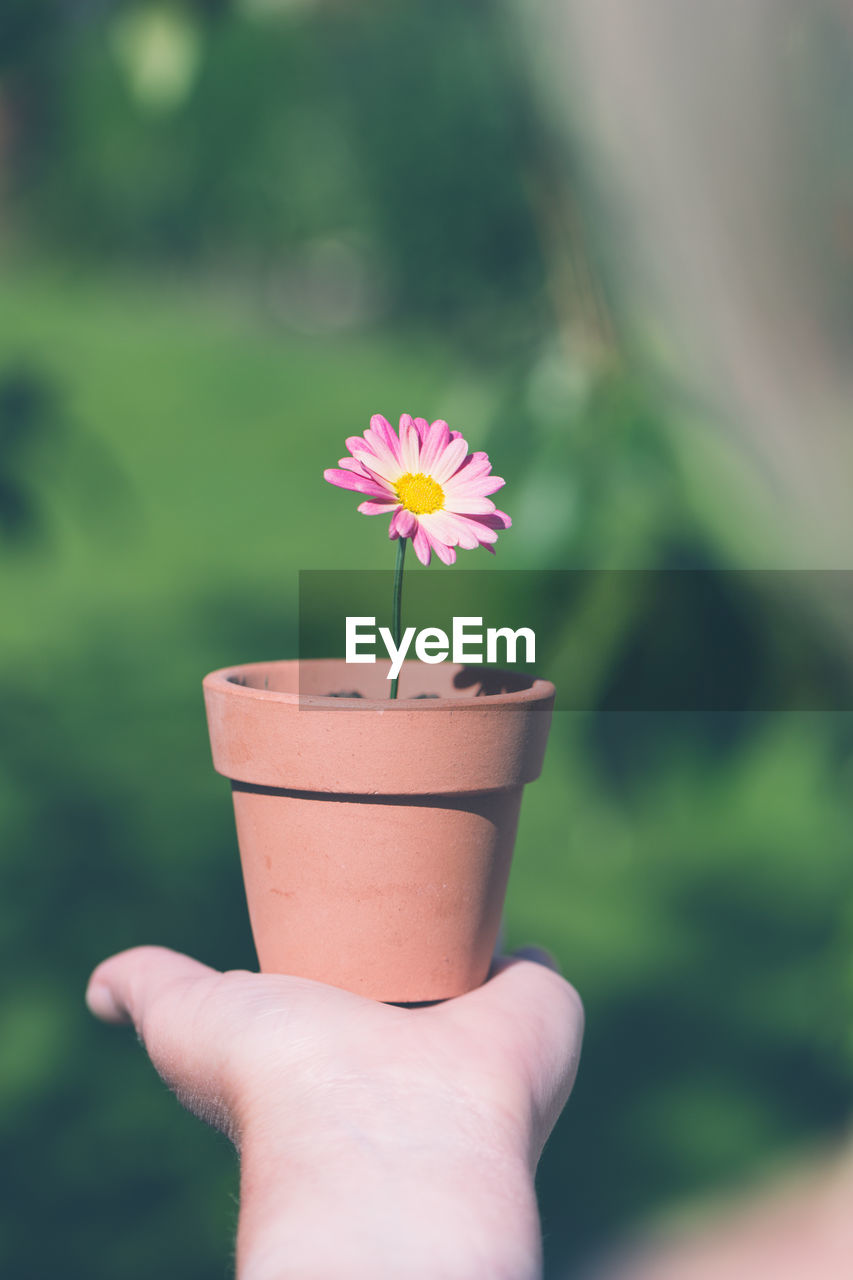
x=420, y=494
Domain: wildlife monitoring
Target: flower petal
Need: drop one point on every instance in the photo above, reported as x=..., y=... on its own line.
x=450, y=460
x=374, y=507
x=472, y=471
x=380, y=424
x=495, y=520
x=479, y=485
x=446, y=554
x=443, y=535
x=382, y=437
x=484, y=535
x=359, y=483
x=403, y=523
x=377, y=457
x=421, y=544
x=468, y=506
x=422, y=427
x=476, y=529
x=453, y=530
x=440, y=526
x=360, y=444
x=436, y=441
x=410, y=444
x=467, y=532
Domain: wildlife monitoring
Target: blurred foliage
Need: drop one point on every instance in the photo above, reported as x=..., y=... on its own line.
x=239, y=230
x=27, y=418
x=174, y=133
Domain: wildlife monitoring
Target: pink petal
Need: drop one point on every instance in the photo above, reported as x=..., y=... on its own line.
x=361, y=484
x=380, y=424
x=455, y=492
x=495, y=520
x=380, y=470
x=442, y=534
x=446, y=554
x=420, y=542
x=456, y=488
x=450, y=460
x=422, y=427
x=467, y=532
x=352, y=464
x=358, y=444
x=410, y=445
x=440, y=525
x=377, y=457
x=373, y=507
x=465, y=506
x=453, y=530
x=437, y=440
x=374, y=474
x=368, y=457
x=472, y=470
x=393, y=530
x=383, y=437
x=475, y=531
x=402, y=523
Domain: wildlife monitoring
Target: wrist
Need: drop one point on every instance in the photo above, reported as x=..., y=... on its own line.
x=398, y=1191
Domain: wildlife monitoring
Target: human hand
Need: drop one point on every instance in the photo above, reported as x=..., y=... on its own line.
x=374, y=1140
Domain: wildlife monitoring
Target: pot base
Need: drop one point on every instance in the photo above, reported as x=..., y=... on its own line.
x=339, y=885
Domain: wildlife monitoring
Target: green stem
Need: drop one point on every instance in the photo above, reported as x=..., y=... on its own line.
x=396, y=629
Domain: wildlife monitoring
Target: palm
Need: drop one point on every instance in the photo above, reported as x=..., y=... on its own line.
x=505, y=1054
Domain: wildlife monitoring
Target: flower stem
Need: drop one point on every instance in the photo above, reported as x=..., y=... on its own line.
x=396, y=629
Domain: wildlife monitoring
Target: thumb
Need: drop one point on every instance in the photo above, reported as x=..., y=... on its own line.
x=165, y=996
x=124, y=987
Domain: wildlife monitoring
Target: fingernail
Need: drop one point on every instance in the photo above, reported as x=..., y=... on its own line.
x=102, y=1003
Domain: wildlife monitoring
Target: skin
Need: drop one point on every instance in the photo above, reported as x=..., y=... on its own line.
x=374, y=1141
x=796, y=1227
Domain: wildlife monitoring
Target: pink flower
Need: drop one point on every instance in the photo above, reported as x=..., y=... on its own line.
x=436, y=490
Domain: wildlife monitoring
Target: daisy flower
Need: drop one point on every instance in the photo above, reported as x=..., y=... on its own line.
x=436, y=491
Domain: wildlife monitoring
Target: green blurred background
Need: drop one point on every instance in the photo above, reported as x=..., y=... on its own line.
x=229, y=233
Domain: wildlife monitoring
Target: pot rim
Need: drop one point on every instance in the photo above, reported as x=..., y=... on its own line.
x=222, y=680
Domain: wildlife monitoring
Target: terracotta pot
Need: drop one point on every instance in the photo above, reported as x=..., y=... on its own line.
x=376, y=836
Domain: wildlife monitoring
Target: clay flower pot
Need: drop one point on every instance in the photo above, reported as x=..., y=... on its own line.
x=376, y=836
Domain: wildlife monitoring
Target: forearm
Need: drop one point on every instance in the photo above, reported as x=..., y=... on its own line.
x=374, y=1142
x=358, y=1204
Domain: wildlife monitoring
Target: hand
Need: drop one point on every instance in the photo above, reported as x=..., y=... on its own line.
x=375, y=1140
